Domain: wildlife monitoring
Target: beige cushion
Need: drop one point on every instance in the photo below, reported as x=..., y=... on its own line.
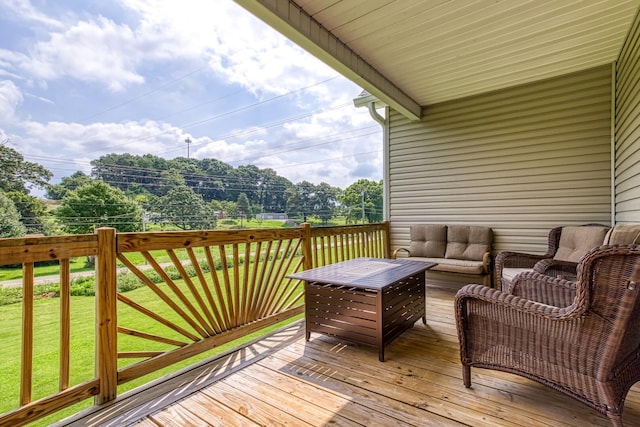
x=428, y=240
x=454, y=265
x=575, y=242
x=624, y=234
x=468, y=242
x=508, y=273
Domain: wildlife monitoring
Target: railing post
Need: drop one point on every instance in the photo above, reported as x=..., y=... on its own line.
x=106, y=318
x=306, y=245
x=386, y=227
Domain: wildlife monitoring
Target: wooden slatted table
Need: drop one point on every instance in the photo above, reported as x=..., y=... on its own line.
x=365, y=300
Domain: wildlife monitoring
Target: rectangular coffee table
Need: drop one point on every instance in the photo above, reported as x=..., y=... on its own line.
x=366, y=300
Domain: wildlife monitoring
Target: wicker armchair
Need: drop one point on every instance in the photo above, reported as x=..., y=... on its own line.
x=565, y=247
x=581, y=338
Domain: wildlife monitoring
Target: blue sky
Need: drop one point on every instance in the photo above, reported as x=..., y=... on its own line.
x=80, y=79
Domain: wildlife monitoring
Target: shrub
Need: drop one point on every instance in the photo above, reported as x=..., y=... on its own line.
x=128, y=282
x=83, y=286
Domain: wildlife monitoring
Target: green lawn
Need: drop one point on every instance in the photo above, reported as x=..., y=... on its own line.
x=46, y=336
x=46, y=346
x=13, y=273
x=77, y=265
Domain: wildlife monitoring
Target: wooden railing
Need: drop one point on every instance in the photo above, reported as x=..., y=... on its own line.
x=201, y=289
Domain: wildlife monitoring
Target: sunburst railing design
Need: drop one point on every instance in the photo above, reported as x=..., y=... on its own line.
x=220, y=288
x=198, y=290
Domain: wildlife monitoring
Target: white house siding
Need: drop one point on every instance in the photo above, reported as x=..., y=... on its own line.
x=627, y=175
x=521, y=160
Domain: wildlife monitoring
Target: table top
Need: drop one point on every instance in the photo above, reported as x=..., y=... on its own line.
x=370, y=273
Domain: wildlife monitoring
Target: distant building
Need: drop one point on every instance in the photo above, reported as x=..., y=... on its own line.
x=282, y=216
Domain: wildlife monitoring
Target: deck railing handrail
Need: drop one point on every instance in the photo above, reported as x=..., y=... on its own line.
x=236, y=286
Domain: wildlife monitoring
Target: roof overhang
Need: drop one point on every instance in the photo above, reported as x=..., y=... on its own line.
x=289, y=19
x=412, y=54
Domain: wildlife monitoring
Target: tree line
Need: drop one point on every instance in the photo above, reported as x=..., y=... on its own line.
x=127, y=192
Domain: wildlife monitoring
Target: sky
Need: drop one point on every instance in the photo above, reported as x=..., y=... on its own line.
x=84, y=78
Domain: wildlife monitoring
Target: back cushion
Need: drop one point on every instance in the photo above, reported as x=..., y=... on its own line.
x=576, y=241
x=468, y=242
x=624, y=234
x=428, y=240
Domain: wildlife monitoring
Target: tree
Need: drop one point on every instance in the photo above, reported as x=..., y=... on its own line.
x=10, y=225
x=306, y=193
x=170, y=179
x=243, y=206
x=97, y=204
x=227, y=208
x=185, y=209
x=67, y=183
x=33, y=212
x=309, y=199
x=270, y=191
x=18, y=175
x=124, y=170
x=293, y=202
x=245, y=179
x=211, y=178
x=324, y=201
x=363, y=190
x=216, y=181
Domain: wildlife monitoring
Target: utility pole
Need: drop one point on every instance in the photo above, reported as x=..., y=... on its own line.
x=188, y=141
x=362, y=194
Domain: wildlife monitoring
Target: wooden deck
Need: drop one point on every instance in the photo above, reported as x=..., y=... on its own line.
x=283, y=380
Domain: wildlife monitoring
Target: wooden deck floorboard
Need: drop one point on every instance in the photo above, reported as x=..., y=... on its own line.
x=283, y=380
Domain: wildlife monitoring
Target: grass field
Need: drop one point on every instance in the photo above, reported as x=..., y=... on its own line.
x=46, y=345
x=47, y=331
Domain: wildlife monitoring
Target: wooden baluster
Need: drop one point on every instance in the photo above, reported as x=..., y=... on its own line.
x=65, y=323
x=306, y=246
x=26, y=372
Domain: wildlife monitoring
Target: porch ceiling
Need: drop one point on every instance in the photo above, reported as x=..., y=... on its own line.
x=411, y=54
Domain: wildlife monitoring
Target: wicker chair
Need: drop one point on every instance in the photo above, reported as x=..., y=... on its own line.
x=565, y=247
x=581, y=338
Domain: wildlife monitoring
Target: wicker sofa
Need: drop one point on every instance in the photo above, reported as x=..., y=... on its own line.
x=460, y=250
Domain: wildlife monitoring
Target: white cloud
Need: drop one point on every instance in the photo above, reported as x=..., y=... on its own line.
x=325, y=147
x=10, y=98
x=98, y=139
x=25, y=10
x=8, y=59
x=221, y=41
x=99, y=51
x=235, y=44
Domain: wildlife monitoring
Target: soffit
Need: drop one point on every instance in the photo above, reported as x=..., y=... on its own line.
x=439, y=50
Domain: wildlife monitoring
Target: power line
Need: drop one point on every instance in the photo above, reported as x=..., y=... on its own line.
x=149, y=170
x=143, y=95
x=211, y=118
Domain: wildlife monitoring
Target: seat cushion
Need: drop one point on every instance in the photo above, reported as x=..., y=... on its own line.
x=575, y=242
x=454, y=265
x=468, y=242
x=509, y=273
x=428, y=240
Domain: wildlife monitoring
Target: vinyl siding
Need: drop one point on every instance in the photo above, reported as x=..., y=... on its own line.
x=627, y=163
x=521, y=160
